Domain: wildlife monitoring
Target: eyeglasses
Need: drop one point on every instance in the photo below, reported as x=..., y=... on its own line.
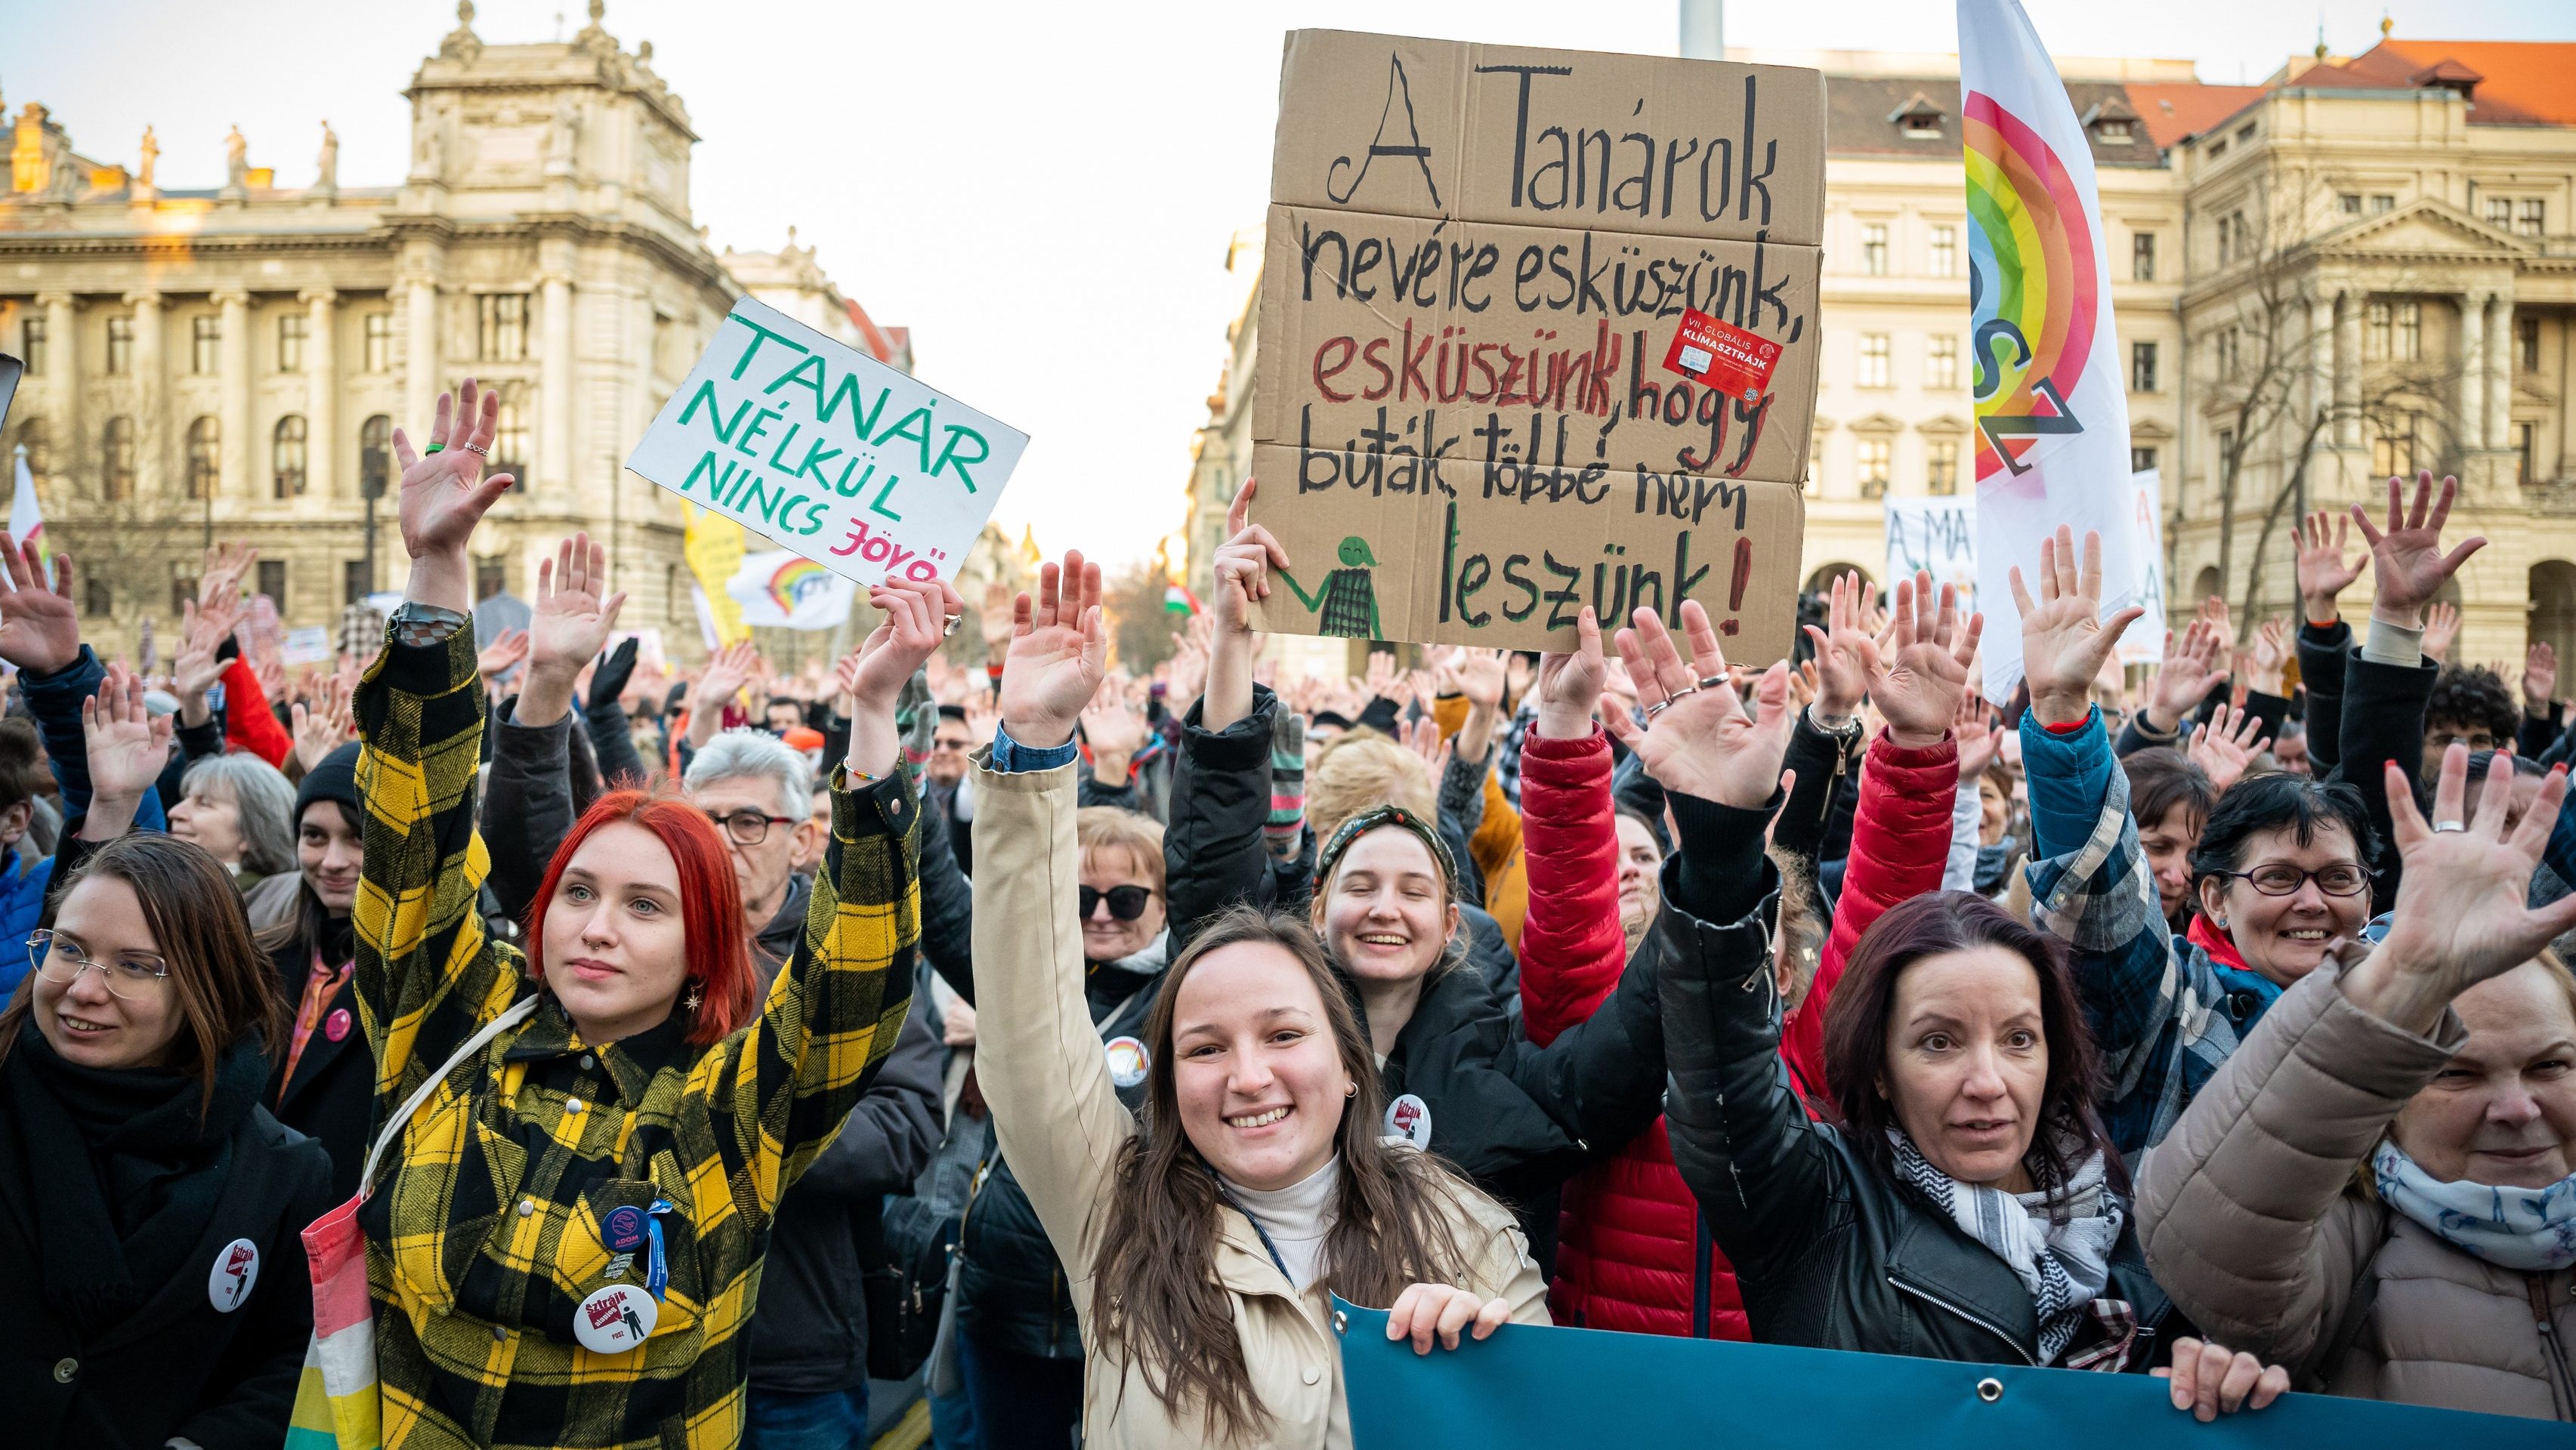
x=2281, y=880
x=959, y=746
x=749, y=828
x=60, y=962
x=1125, y=902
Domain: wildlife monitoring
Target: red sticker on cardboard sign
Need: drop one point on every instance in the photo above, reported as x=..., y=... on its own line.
x=1725, y=357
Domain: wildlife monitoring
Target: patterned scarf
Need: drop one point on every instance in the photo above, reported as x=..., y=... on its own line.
x=2059, y=1243
x=2529, y=1229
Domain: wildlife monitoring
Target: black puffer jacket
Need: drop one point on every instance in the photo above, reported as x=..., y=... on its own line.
x=1012, y=1293
x=1829, y=1252
x=1518, y=1119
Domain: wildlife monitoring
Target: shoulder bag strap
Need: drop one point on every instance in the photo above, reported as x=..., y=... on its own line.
x=517, y=1013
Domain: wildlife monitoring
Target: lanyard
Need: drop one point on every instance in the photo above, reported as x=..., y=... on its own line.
x=1265, y=1239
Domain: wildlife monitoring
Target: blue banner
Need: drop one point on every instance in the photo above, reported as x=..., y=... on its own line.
x=1556, y=1389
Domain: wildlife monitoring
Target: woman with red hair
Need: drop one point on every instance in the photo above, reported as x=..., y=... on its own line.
x=565, y=1244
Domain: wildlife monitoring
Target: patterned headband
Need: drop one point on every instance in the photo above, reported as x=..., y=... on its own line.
x=1369, y=820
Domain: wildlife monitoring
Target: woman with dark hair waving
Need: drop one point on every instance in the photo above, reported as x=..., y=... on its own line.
x=1966, y=1205
x=564, y=1249
x=152, y=1284
x=1201, y=1242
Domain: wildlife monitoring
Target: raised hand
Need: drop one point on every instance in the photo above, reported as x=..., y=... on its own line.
x=1698, y=739
x=2193, y=666
x=2223, y=752
x=1242, y=579
x=1842, y=671
x=2441, y=630
x=1569, y=685
x=872, y=677
x=2323, y=571
x=2064, y=642
x=324, y=727
x=444, y=494
x=225, y=566
x=2407, y=565
x=1481, y=676
x=2268, y=669
x=1059, y=654
x=1919, y=673
x=916, y=620
x=505, y=651
x=39, y=625
x=726, y=672
x=1423, y=738
x=1978, y=738
x=128, y=747
x=2539, y=678
x=1111, y=726
x=2460, y=916
x=574, y=613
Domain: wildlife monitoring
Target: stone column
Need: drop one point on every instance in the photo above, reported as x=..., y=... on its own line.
x=2347, y=369
x=321, y=391
x=420, y=364
x=150, y=395
x=2499, y=369
x=554, y=460
x=63, y=379
x=2473, y=373
x=235, y=368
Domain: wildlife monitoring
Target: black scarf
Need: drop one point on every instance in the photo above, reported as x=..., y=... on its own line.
x=122, y=1172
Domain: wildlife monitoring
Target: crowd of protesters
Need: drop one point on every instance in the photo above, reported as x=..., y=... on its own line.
x=692, y=1052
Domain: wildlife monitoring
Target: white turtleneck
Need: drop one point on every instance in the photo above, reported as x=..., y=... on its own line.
x=1296, y=1217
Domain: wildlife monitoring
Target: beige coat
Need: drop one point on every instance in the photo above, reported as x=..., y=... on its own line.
x=1061, y=1126
x=2253, y=1221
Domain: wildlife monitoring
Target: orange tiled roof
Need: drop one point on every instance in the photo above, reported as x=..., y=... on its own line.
x=2518, y=82
x=2174, y=110
x=880, y=346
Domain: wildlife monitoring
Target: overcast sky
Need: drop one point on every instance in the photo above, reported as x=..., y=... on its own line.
x=1042, y=192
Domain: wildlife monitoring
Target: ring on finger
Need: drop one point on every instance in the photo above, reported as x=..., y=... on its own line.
x=1710, y=682
x=475, y=448
x=949, y=625
x=433, y=448
x=2450, y=825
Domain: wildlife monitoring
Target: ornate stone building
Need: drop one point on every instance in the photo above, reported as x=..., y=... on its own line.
x=231, y=363
x=2364, y=263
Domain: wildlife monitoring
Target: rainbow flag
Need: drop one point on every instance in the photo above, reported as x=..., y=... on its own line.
x=2052, y=412
x=786, y=590
x=337, y=1403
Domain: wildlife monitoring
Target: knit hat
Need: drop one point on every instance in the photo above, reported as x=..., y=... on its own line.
x=1287, y=823
x=335, y=778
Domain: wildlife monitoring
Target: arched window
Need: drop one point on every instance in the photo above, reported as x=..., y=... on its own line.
x=116, y=460
x=375, y=456
x=286, y=453
x=205, y=456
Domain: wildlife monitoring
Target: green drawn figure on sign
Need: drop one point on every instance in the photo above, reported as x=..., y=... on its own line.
x=1347, y=602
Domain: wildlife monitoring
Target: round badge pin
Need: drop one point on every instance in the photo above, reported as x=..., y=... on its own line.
x=336, y=1026
x=236, y=1271
x=616, y=1319
x=623, y=1229
x=1128, y=1061
x=1409, y=1118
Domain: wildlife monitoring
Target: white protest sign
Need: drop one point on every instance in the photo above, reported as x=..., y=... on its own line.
x=1939, y=534
x=2144, y=644
x=828, y=451
x=306, y=646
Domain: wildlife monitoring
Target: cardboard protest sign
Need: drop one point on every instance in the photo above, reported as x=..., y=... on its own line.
x=1538, y=329
x=828, y=451
x=1939, y=534
x=308, y=646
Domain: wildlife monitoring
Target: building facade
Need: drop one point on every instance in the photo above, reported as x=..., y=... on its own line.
x=230, y=364
x=2363, y=264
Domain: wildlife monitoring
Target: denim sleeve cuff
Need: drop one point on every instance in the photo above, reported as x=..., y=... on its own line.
x=1010, y=757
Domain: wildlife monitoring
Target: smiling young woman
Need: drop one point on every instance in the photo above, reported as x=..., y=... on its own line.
x=1203, y=1241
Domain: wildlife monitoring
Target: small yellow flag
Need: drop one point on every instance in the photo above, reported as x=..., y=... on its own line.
x=714, y=548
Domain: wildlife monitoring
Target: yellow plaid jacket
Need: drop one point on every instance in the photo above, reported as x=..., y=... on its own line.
x=483, y=1229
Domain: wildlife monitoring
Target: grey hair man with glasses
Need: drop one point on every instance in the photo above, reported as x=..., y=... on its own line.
x=757, y=789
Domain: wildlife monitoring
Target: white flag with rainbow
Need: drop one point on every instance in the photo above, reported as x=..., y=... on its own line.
x=26, y=517
x=2052, y=415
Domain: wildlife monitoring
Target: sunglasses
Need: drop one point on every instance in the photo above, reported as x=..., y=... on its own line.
x=1125, y=902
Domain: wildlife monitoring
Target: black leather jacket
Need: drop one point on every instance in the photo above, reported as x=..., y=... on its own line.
x=1829, y=1252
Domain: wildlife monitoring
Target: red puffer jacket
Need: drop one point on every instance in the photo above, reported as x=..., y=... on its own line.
x=1632, y=1254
